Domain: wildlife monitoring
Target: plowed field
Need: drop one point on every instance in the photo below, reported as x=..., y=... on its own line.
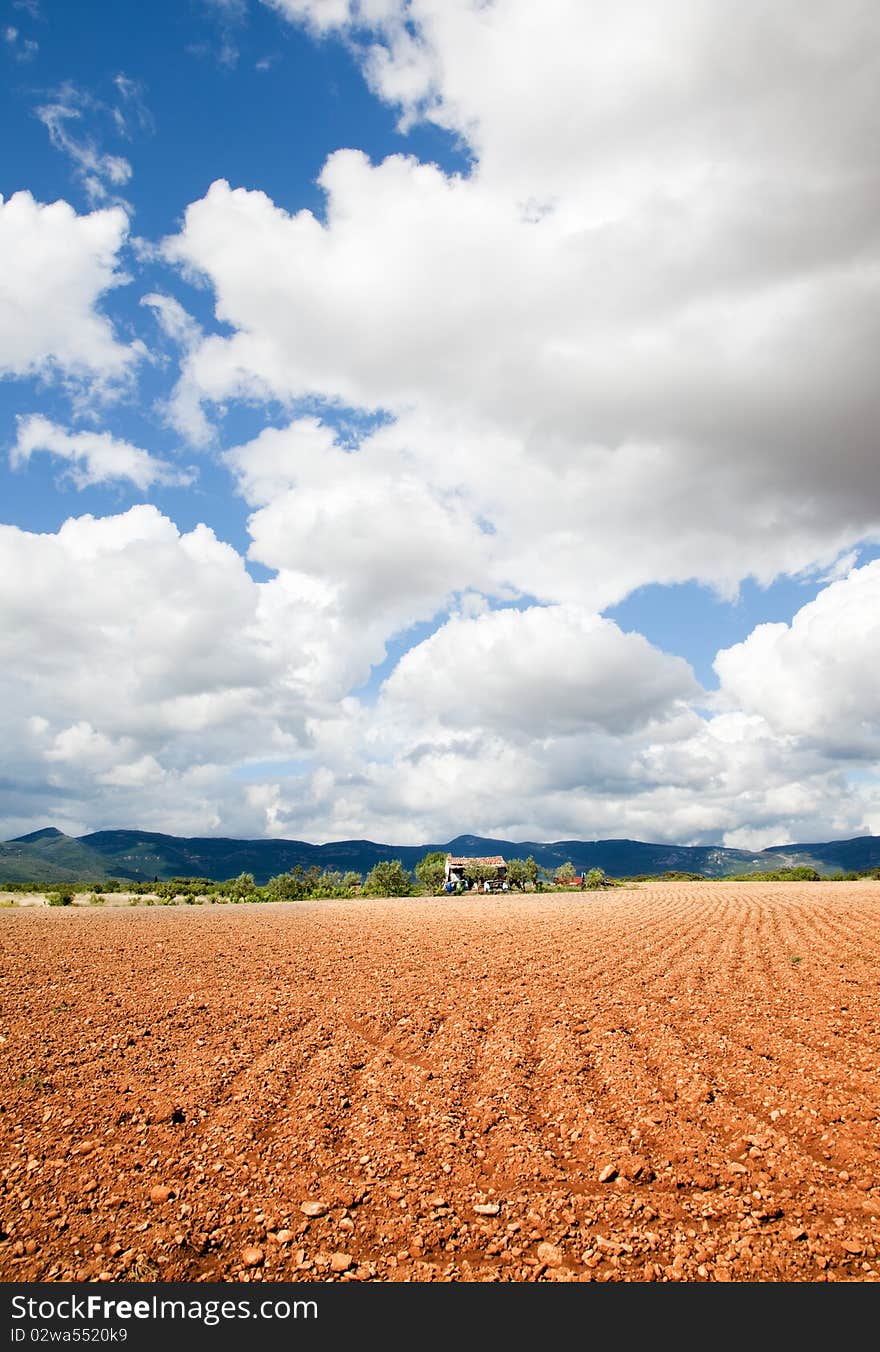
x=678, y=1082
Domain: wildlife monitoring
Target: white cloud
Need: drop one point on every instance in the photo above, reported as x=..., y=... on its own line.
x=637, y=338
x=175, y=322
x=230, y=15
x=23, y=49
x=55, y=267
x=322, y=15
x=688, y=781
x=132, y=111
x=815, y=679
x=539, y=672
x=361, y=528
x=132, y=654
x=183, y=410
x=633, y=344
x=127, y=626
x=94, y=457
x=271, y=465
x=99, y=172
x=146, y=679
x=612, y=103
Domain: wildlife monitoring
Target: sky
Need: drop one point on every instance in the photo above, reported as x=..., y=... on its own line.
x=421, y=417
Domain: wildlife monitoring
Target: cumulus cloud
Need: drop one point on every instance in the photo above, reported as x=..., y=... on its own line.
x=325, y=15
x=127, y=609
x=271, y=465
x=571, y=96
x=688, y=779
x=361, y=525
x=633, y=343
x=815, y=678
x=55, y=267
x=653, y=301
x=93, y=457
x=163, y=686
x=133, y=655
x=539, y=672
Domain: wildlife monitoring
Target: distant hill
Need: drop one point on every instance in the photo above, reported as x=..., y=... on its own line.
x=140, y=856
x=50, y=856
x=850, y=856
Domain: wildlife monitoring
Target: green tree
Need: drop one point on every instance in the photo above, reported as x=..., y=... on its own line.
x=240, y=887
x=431, y=871
x=517, y=873
x=388, y=878
x=565, y=874
x=475, y=872
x=291, y=886
x=329, y=883
x=595, y=880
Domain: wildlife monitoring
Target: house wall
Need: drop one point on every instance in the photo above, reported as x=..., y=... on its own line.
x=456, y=873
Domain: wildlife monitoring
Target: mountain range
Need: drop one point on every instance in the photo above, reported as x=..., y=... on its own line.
x=49, y=856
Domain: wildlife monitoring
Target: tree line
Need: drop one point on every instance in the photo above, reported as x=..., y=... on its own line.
x=389, y=878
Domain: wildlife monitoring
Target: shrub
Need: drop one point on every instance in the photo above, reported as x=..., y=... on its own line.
x=242, y=886
x=431, y=871
x=290, y=886
x=522, y=873
x=63, y=896
x=802, y=873
x=388, y=878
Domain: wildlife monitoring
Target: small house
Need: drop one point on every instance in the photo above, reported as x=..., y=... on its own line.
x=491, y=867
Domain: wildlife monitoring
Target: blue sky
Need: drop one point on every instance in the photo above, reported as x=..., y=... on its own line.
x=422, y=418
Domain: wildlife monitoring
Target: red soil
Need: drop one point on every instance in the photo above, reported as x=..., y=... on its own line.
x=448, y=1083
